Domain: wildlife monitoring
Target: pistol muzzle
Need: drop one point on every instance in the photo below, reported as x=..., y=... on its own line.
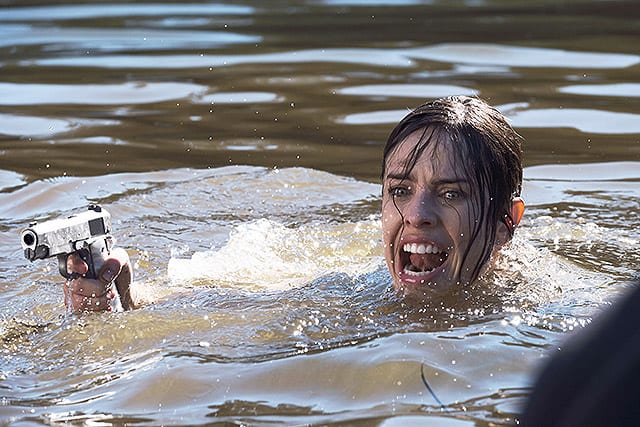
x=30, y=246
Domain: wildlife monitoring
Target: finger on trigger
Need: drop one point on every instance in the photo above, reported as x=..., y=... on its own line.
x=75, y=264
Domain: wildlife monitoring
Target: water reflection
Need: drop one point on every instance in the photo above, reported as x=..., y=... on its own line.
x=585, y=120
x=392, y=116
x=84, y=11
x=373, y=57
x=96, y=94
x=485, y=55
x=42, y=127
x=115, y=40
x=517, y=56
x=619, y=89
x=407, y=90
x=238, y=98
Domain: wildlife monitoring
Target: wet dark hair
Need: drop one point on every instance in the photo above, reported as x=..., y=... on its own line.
x=486, y=147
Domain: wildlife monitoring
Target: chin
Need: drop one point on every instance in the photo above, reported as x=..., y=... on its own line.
x=424, y=289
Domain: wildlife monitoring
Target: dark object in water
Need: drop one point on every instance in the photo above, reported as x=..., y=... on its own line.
x=426, y=384
x=595, y=379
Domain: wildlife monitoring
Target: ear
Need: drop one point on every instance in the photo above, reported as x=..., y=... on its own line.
x=504, y=230
x=517, y=210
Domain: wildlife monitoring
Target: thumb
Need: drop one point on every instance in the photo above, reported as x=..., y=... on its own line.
x=109, y=270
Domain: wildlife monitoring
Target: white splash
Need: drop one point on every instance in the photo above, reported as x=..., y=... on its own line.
x=266, y=254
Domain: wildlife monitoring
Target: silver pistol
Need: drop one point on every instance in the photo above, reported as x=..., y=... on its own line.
x=88, y=234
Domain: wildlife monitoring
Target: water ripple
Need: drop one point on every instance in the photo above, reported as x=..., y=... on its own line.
x=614, y=89
x=407, y=90
x=114, y=39
x=517, y=56
x=374, y=57
x=582, y=119
x=96, y=94
x=84, y=11
x=29, y=126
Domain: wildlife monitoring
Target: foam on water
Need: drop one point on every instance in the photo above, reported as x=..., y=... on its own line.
x=266, y=254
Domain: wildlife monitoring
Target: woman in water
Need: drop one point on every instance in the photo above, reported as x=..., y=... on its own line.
x=451, y=176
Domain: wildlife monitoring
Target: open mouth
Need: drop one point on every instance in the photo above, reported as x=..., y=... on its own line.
x=421, y=258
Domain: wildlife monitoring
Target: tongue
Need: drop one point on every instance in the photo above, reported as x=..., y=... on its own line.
x=427, y=262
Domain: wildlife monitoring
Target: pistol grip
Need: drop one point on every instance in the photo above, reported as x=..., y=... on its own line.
x=92, y=253
x=93, y=260
x=86, y=256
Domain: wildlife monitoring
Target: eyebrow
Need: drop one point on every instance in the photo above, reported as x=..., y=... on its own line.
x=443, y=181
x=401, y=176
x=397, y=175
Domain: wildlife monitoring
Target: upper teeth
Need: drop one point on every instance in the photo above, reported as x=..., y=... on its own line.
x=420, y=248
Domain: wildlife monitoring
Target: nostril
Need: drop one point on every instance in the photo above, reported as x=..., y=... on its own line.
x=419, y=217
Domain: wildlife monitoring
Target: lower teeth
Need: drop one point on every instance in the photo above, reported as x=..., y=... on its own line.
x=411, y=269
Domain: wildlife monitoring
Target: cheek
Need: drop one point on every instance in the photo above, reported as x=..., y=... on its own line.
x=389, y=233
x=391, y=220
x=459, y=223
x=475, y=247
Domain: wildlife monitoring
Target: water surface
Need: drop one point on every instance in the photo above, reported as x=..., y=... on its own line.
x=237, y=147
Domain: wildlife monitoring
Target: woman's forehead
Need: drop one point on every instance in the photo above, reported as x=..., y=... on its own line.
x=437, y=155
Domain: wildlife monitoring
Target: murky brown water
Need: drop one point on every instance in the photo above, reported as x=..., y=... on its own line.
x=237, y=147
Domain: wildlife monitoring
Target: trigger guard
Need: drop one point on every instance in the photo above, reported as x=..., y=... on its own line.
x=62, y=267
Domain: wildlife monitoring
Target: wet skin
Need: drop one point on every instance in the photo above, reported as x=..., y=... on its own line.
x=82, y=294
x=427, y=219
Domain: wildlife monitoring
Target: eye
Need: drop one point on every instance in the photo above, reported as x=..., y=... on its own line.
x=451, y=194
x=399, y=191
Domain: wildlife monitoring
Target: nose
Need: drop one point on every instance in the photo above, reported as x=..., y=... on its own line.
x=420, y=211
